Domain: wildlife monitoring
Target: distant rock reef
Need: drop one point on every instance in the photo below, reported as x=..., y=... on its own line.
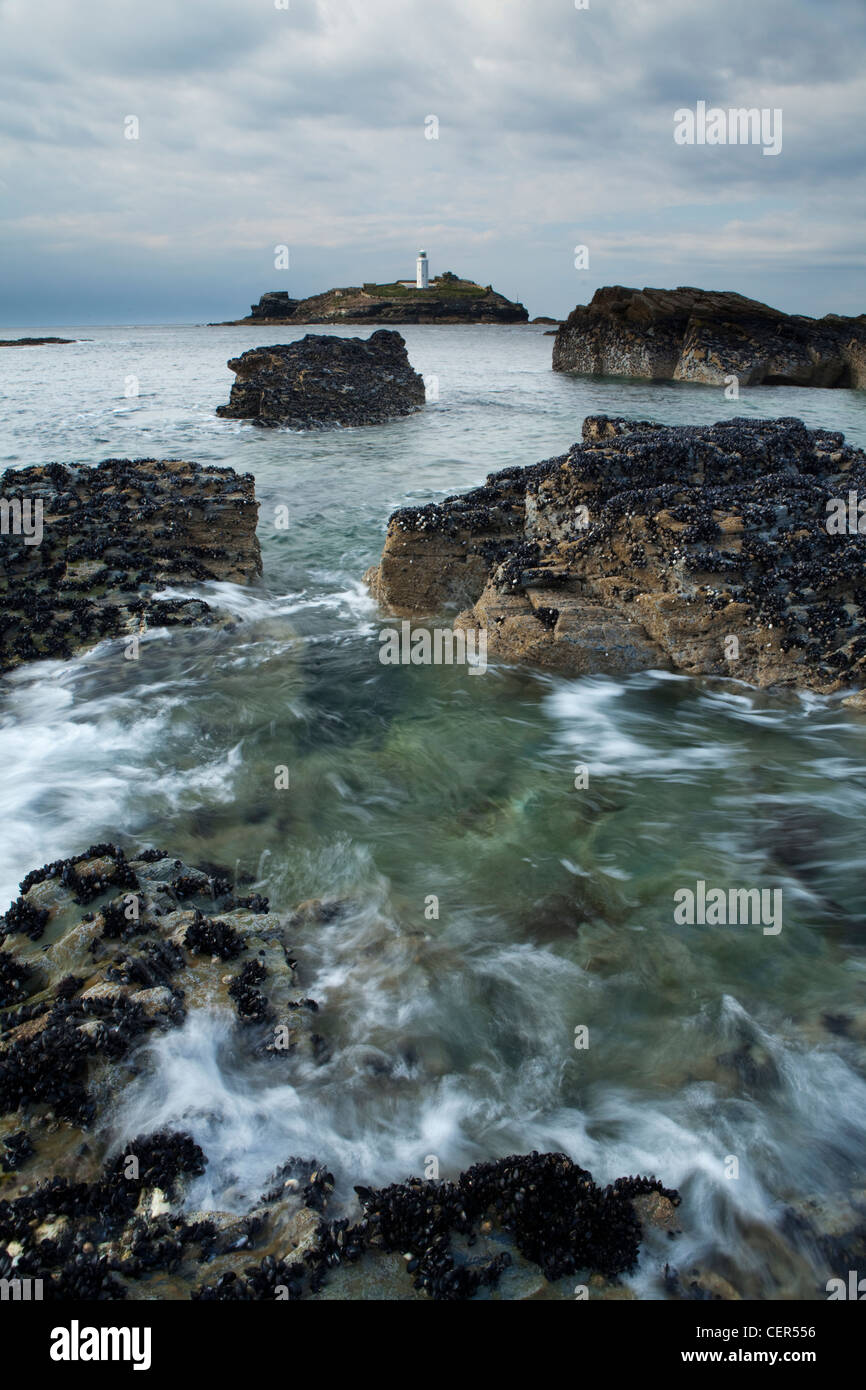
x=84, y=549
x=726, y=550
x=448, y=300
x=704, y=336
x=323, y=381
x=33, y=342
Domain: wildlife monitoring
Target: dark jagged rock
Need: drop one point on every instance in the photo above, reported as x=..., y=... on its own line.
x=33, y=342
x=209, y=938
x=322, y=381
x=705, y=336
x=448, y=300
x=77, y=992
x=19, y=1148
x=555, y=1214
x=648, y=546
x=82, y=1255
x=111, y=536
x=251, y=1004
x=542, y=1207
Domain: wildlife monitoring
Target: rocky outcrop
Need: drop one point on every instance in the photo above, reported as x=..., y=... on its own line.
x=703, y=549
x=33, y=342
x=446, y=301
x=98, y=954
x=84, y=549
x=102, y=951
x=321, y=381
x=705, y=336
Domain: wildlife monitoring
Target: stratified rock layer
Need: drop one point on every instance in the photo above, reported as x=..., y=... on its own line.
x=111, y=536
x=705, y=336
x=322, y=381
x=705, y=549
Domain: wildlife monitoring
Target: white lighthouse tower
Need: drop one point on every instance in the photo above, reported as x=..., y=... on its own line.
x=422, y=281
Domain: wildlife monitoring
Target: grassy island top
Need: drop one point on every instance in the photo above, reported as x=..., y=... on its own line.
x=448, y=284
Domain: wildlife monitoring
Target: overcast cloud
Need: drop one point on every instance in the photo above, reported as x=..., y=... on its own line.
x=262, y=126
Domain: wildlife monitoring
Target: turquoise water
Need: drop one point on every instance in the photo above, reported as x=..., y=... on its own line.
x=453, y=1036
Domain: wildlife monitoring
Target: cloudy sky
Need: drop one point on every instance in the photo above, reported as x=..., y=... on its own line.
x=306, y=126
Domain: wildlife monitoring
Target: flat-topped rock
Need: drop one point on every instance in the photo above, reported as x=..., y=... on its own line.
x=709, y=550
x=84, y=549
x=323, y=381
x=33, y=342
x=706, y=336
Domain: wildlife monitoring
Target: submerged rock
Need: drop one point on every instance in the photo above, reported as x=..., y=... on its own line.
x=78, y=991
x=705, y=336
x=322, y=381
x=82, y=990
x=704, y=549
x=84, y=549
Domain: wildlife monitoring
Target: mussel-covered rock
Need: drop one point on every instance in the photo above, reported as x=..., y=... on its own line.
x=324, y=381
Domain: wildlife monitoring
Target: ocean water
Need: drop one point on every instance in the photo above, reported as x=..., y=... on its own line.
x=454, y=1036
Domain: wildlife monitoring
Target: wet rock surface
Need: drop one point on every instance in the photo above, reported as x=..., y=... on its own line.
x=102, y=950
x=457, y=1238
x=109, y=537
x=702, y=549
x=321, y=381
x=705, y=336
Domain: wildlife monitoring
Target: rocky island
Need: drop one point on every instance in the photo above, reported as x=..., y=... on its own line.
x=707, y=336
x=447, y=299
x=83, y=550
x=728, y=550
x=322, y=381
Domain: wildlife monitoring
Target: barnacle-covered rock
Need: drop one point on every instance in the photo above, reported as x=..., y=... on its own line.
x=85, y=549
x=727, y=550
x=324, y=381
